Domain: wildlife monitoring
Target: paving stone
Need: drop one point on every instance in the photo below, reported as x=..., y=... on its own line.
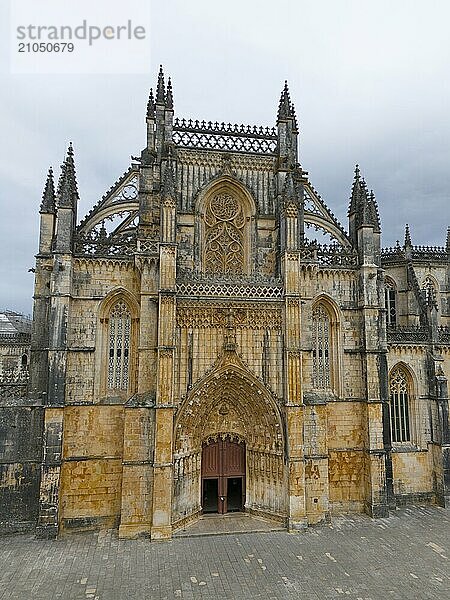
x=405, y=557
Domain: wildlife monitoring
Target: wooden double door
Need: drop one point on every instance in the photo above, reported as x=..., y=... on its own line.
x=223, y=476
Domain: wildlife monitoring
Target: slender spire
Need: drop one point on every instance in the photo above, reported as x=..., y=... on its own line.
x=363, y=205
x=447, y=244
x=160, y=89
x=150, y=105
x=169, y=94
x=67, y=184
x=408, y=242
x=357, y=192
x=48, y=197
x=284, y=107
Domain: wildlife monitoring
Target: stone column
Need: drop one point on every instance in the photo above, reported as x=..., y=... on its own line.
x=373, y=355
x=60, y=286
x=163, y=462
x=293, y=395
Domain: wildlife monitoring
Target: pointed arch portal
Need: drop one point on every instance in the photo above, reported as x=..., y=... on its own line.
x=229, y=446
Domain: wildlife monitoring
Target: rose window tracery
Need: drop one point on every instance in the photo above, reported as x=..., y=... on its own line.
x=224, y=235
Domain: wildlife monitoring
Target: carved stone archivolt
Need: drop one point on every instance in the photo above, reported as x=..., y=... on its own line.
x=213, y=315
x=229, y=398
x=229, y=402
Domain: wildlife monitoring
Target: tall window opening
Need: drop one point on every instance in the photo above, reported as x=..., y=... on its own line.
x=321, y=348
x=429, y=290
x=399, y=388
x=224, y=235
x=119, y=332
x=390, y=303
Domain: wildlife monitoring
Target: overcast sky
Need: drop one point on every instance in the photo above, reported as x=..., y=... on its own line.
x=370, y=80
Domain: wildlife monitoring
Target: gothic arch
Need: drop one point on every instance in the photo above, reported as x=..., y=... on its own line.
x=230, y=402
x=411, y=375
x=225, y=228
x=118, y=297
x=228, y=183
x=116, y=294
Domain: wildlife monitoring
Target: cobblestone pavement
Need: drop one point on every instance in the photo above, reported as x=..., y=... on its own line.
x=404, y=557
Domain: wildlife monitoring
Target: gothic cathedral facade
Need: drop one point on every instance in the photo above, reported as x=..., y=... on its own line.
x=197, y=349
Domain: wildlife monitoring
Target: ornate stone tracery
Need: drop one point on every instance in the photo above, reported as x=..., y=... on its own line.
x=321, y=348
x=119, y=333
x=210, y=314
x=224, y=235
x=399, y=389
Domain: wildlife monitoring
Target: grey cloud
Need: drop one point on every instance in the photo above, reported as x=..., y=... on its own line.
x=369, y=80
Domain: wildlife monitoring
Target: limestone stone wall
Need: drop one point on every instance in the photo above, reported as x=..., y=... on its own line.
x=91, y=477
x=413, y=475
x=20, y=465
x=347, y=440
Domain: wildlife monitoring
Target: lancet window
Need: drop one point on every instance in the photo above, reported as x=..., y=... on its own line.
x=390, y=303
x=321, y=348
x=119, y=333
x=400, y=396
x=429, y=290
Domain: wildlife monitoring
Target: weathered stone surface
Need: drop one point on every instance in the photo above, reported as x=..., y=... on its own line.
x=208, y=317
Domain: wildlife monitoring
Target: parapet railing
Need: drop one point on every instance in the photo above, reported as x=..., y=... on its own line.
x=331, y=255
x=209, y=135
x=408, y=334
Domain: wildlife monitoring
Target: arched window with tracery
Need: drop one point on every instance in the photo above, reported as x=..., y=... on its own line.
x=321, y=351
x=224, y=238
x=119, y=339
x=400, y=398
x=429, y=290
x=390, y=303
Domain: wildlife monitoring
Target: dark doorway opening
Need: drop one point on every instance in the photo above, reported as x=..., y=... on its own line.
x=210, y=495
x=234, y=494
x=223, y=476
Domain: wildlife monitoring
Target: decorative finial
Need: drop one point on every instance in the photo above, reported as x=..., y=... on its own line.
x=408, y=242
x=160, y=89
x=150, y=105
x=357, y=192
x=169, y=94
